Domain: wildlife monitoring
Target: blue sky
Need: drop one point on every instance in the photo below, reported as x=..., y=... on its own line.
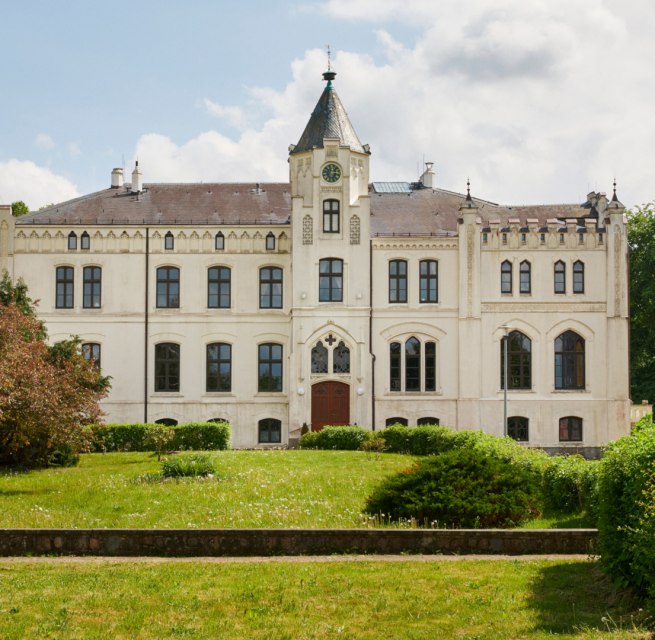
x=535, y=101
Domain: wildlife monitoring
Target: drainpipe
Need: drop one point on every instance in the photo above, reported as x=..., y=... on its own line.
x=370, y=331
x=145, y=328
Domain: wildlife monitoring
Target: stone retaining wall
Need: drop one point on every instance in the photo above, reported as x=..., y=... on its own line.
x=271, y=542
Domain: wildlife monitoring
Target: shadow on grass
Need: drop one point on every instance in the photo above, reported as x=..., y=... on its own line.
x=572, y=598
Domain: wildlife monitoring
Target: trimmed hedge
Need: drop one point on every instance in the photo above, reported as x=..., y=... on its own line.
x=571, y=484
x=341, y=438
x=133, y=437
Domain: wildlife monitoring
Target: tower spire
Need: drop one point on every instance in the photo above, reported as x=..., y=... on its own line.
x=329, y=75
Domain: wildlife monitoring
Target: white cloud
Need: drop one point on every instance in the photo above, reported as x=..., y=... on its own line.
x=34, y=185
x=536, y=102
x=74, y=149
x=44, y=141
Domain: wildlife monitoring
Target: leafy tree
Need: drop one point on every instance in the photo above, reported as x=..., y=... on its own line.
x=19, y=208
x=641, y=237
x=16, y=294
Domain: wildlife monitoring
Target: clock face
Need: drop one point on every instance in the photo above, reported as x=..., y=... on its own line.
x=331, y=172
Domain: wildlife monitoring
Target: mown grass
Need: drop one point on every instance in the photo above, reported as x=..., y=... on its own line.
x=279, y=489
x=301, y=600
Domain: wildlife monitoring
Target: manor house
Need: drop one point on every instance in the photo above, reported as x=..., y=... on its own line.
x=331, y=299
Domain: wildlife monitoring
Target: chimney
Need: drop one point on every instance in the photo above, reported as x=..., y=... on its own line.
x=428, y=179
x=116, y=178
x=137, y=185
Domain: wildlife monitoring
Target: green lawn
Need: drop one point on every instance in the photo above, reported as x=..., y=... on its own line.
x=253, y=489
x=298, y=600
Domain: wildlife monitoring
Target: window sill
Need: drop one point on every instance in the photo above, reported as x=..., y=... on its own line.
x=570, y=391
x=271, y=394
x=520, y=391
x=413, y=394
x=218, y=394
x=167, y=394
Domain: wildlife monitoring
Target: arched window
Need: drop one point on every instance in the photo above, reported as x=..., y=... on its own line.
x=519, y=359
x=330, y=216
x=168, y=288
x=341, y=359
x=219, y=241
x=91, y=353
x=428, y=285
x=219, y=367
x=319, y=358
x=389, y=422
x=85, y=241
x=64, y=287
x=578, y=276
x=270, y=288
x=412, y=365
x=330, y=280
x=166, y=422
x=525, y=279
x=397, y=281
x=92, y=287
x=270, y=367
x=517, y=428
x=219, y=283
x=218, y=420
x=167, y=366
x=169, y=241
x=270, y=241
x=506, y=277
x=270, y=430
x=570, y=429
x=427, y=420
x=559, y=275
x=569, y=361
x=394, y=366
x=72, y=241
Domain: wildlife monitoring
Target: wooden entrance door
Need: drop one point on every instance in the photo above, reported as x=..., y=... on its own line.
x=330, y=404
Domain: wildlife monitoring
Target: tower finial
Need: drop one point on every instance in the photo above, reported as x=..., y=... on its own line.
x=329, y=75
x=468, y=191
x=614, y=197
x=329, y=59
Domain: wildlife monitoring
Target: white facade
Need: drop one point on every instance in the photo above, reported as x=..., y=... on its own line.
x=391, y=338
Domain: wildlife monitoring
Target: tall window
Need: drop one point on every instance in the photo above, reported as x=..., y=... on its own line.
x=330, y=216
x=269, y=430
x=169, y=241
x=397, y=281
x=167, y=367
x=64, y=290
x=525, y=277
x=319, y=358
x=569, y=361
x=270, y=367
x=341, y=359
x=92, y=289
x=91, y=353
x=270, y=288
x=506, y=277
x=517, y=428
x=428, y=291
x=218, y=287
x=578, y=276
x=270, y=241
x=559, y=275
x=570, y=429
x=519, y=358
x=330, y=280
x=219, y=241
x=412, y=366
x=168, y=288
x=72, y=241
x=219, y=367
x=85, y=241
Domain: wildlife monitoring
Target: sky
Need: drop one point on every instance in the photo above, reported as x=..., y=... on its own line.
x=534, y=101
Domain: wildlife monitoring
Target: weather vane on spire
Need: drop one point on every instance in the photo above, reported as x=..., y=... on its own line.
x=329, y=75
x=329, y=57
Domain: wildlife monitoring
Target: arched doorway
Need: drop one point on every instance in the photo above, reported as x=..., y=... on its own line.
x=330, y=404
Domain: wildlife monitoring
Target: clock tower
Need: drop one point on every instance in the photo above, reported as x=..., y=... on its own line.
x=330, y=359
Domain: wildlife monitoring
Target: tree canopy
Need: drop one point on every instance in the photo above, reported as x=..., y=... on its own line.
x=19, y=208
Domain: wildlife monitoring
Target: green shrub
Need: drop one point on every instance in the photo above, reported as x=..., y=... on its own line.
x=160, y=439
x=626, y=511
x=461, y=488
x=340, y=438
x=188, y=466
x=569, y=483
x=309, y=440
x=645, y=423
x=119, y=437
x=202, y=436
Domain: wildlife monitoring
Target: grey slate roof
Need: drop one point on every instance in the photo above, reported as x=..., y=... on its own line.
x=328, y=120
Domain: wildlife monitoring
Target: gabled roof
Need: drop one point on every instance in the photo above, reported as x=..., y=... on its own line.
x=328, y=120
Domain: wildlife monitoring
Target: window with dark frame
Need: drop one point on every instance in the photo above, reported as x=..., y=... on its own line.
x=506, y=277
x=331, y=216
x=578, y=276
x=270, y=367
x=397, y=281
x=219, y=285
x=389, y=422
x=219, y=367
x=525, y=277
x=417, y=370
x=169, y=241
x=269, y=431
x=270, y=288
x=92, y=288
x=518, y=428
x=91, y=353
x=168, y=288
x=330, y=280
x=428, y=281
x=72, y=241
x=559, y=275
x=570, y=429
x=569, y=361
x=427, y=420
x=270, y=241
x=219, y=241
x=64, y=288
x=85, y=241
x=341, y=358
x=412, y=365
x=167, y=367
x=394, y=366
x=519, y=359
x=319, y=358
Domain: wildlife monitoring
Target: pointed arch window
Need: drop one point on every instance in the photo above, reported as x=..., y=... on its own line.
x=85, y=241
x=519, y=358
x=169, y=241
x=319, y=358
x=270, y=241
x=219, y=241
x=559, y=275
x=72, y=241
x=569, y=361
x=525, y=277
x=578, y=276
x=506, y=277
x=341, y=359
